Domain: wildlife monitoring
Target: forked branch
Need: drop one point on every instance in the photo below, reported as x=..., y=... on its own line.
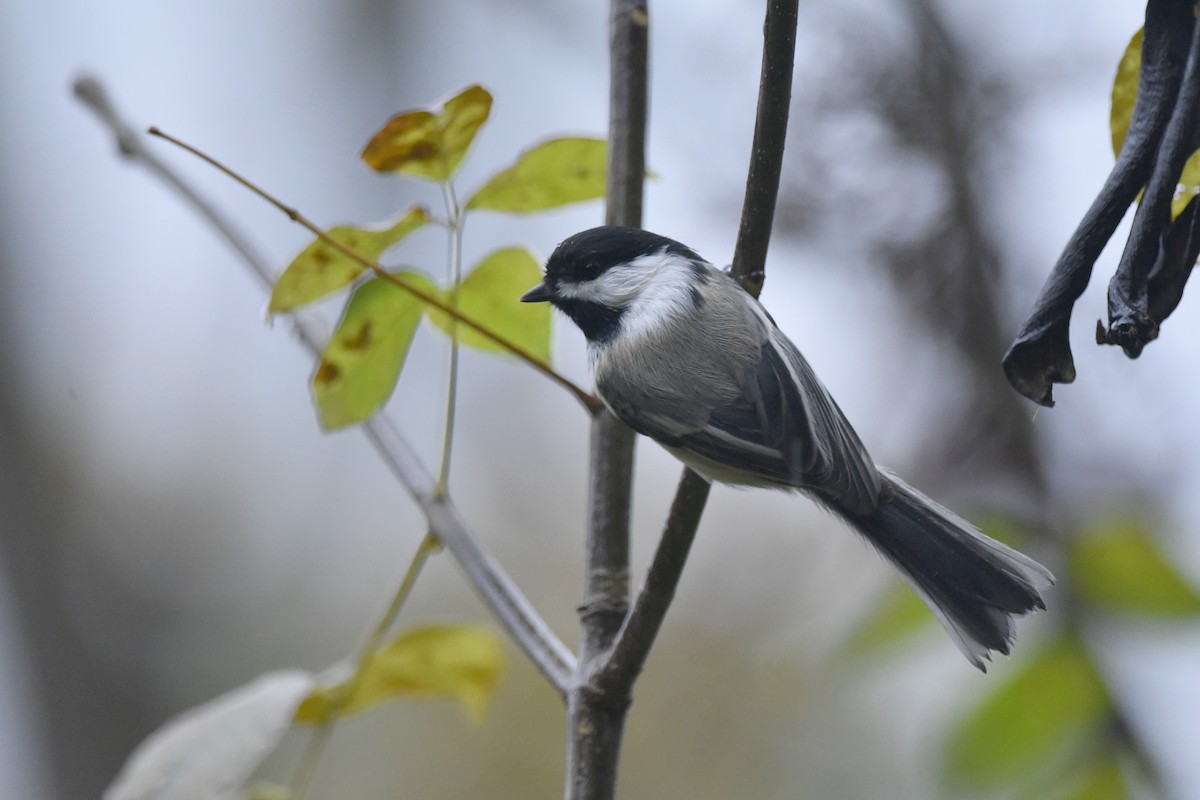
x=498, y=591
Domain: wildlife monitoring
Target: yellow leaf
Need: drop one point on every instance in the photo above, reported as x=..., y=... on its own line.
x=490, y=295
x=459, y=662
x=321, y=269
x=551, y=174
x=361, y=363
x=1124, y=91
x=426, y=144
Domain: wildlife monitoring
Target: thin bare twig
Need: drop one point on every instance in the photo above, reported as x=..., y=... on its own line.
x=634, y=640
x=595, y=722
x=766, y=155
x=497, y=590
x=603, y=686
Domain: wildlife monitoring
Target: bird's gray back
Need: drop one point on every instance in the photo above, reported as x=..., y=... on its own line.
x=700, y=376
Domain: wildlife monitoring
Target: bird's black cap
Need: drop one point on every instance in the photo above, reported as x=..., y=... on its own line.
x=588, y=253
x=586, y=256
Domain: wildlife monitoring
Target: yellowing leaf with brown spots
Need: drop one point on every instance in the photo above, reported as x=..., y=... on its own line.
x=551, y=174
x=322, y=269
x=490, y=295
x=361, y=363
x=459, y=662
x=428, y=144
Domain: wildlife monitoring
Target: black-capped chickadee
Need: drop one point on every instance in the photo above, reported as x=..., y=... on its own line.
x=681, y=353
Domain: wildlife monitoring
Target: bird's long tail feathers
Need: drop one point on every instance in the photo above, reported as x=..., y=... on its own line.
x=973, y=584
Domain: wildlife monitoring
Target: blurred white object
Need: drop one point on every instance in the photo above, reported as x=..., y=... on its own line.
x=209, y=751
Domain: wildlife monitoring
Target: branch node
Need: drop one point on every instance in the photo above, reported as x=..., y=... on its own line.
x=601, y=606
x=614, y=699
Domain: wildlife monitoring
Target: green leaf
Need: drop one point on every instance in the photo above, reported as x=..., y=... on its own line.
x=459, y=662
x=1124, y=91
x=1102, y=781
x=321, y=269
x=361, y=363
x=1117, y=565
x=548, y=175
x=899, y=614
x=426, y=144
x=1040, y=712
x=491, y=296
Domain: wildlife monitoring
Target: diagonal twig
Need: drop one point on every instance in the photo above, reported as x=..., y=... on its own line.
x=766, y=152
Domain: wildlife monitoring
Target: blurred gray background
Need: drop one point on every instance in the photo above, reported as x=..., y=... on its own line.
x=172, y=521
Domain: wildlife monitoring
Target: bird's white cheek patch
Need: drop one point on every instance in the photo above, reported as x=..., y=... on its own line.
x=616, y=288
x=668, y=294
x=650, y=290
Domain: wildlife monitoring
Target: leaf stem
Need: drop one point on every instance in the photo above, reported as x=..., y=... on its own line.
x=317, y=743
x=588, y=400
x=455, y=217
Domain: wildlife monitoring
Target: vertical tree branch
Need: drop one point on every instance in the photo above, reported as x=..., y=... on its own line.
x=636, y=637
x=629, y=28
x=766, y=155
x=641, y=627
x=595, y=721
x=611, y=658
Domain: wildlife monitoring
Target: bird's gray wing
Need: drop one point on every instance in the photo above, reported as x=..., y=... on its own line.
x=755, y=426
x=784, y=435
x=822, y=448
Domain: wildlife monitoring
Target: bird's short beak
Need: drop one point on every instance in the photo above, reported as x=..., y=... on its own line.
x=538, y=294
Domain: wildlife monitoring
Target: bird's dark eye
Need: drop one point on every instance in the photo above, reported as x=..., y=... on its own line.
x=591, y=269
